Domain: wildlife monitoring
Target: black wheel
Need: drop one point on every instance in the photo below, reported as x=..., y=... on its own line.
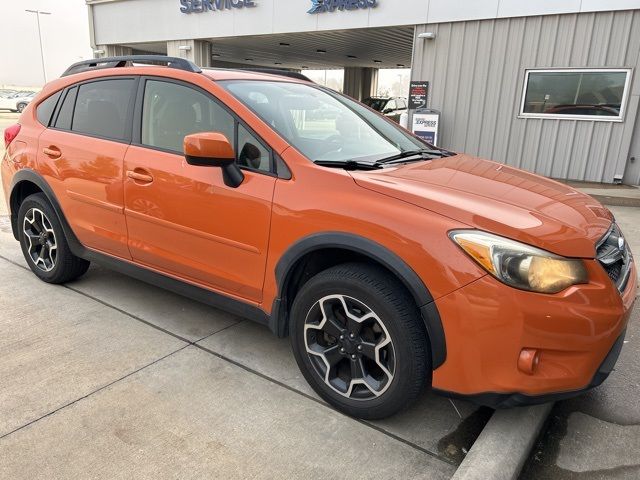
x=359, y=340
x=43, y=242
x=21, y=107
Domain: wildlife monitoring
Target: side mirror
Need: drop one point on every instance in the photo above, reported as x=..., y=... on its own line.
x=212, y=149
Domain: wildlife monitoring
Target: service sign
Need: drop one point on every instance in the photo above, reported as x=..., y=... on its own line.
x=200, y=6
x=425, y=125
x=418, y=94
x=321, y=6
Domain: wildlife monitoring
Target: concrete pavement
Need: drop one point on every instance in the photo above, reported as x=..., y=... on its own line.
x=108, y=377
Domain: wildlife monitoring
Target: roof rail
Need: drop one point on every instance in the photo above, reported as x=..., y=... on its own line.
x=128, y=60
x=278, y=71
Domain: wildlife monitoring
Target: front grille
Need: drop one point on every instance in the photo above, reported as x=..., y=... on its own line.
x=613, y=253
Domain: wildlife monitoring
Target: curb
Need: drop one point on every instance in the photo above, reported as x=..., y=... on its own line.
x=504, y=444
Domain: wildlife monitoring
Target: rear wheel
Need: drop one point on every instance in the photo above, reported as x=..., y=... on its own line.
x=359, y=340
x=43, y=243
x=21, y=107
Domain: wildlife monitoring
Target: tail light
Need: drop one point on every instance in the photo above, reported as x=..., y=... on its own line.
x=10, y=133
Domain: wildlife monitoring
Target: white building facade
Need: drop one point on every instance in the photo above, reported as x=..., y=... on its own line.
x=548, y=86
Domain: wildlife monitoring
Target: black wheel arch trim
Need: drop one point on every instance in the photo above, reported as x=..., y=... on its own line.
x=376, y=252
x=31, y=176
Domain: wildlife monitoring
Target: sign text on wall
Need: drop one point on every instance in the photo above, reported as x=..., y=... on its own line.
x=199, y=6
x=321, y=6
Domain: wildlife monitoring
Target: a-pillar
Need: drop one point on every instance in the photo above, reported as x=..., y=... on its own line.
x=198, y=51
x=360, y=82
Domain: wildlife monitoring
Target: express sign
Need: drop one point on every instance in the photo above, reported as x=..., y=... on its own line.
x=199, y=6
x=321, y=6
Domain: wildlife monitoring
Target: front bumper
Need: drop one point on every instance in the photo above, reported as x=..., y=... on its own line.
x=577, y=333
x=508, y=400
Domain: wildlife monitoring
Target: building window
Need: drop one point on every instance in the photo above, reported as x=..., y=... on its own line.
x=579, y=94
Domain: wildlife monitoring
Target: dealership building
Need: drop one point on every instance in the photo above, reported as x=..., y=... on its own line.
x=548, y=86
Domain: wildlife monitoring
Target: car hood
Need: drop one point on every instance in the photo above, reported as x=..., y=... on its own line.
x=499, y=199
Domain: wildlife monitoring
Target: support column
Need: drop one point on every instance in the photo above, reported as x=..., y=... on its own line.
x=360, y=82
x=111, y=51
x=198, y=51
x=369, y=82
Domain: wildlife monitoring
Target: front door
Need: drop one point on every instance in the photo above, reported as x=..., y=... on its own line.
x=182, y=219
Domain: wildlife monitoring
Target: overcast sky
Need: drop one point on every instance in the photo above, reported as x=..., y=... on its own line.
x=65, y=38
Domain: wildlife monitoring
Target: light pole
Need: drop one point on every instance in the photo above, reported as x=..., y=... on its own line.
x=38, y=13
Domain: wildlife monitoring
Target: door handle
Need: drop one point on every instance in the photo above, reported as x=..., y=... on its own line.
x=52, y=152
x=139, y=176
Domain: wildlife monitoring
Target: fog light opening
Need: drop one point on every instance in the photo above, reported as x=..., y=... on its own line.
x=528, y=360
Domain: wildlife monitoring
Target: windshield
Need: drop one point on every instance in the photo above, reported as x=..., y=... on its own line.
x=322, y=125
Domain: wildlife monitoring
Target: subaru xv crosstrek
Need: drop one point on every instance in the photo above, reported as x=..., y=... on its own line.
x=392, y=265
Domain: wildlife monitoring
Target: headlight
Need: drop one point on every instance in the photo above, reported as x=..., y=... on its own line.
x=520, y=265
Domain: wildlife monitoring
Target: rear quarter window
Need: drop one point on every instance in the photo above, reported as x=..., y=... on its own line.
x=65, y=113
x=45, y=108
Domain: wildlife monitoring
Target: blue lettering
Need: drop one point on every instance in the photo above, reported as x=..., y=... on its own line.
x=322, y=6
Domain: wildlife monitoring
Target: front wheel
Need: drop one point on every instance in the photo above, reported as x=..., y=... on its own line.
x=359, y=340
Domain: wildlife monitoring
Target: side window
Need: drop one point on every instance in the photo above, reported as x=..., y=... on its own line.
x=45, y=109
x=251, y=153
x=171, y=111
x=101, y=108
x=65, y=114
x=402, y=105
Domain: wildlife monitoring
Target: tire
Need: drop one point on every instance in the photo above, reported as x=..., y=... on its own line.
x=21, y=107
x=39, y=231
x=397, y=369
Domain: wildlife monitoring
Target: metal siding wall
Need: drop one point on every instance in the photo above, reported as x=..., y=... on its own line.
x=476, y=70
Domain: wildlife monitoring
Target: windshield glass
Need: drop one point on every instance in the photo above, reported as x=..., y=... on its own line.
x=322, y=125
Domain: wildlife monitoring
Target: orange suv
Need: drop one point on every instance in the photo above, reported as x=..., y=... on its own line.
x=392, y=264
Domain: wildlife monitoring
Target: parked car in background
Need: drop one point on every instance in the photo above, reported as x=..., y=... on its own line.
x=5, y=93
x=17, y=101
x=391, y=107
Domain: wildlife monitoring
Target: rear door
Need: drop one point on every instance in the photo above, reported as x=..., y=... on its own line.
x=81, y=156
x=183, y=219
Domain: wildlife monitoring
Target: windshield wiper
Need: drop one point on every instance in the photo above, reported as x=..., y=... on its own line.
x=423, y=152
x=348, y=164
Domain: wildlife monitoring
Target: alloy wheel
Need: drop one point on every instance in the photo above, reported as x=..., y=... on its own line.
x=349, y=347
x=42, y=247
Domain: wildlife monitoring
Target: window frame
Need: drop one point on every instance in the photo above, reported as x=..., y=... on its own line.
x=592, y=118
x=130, y=110
x=136, y=138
